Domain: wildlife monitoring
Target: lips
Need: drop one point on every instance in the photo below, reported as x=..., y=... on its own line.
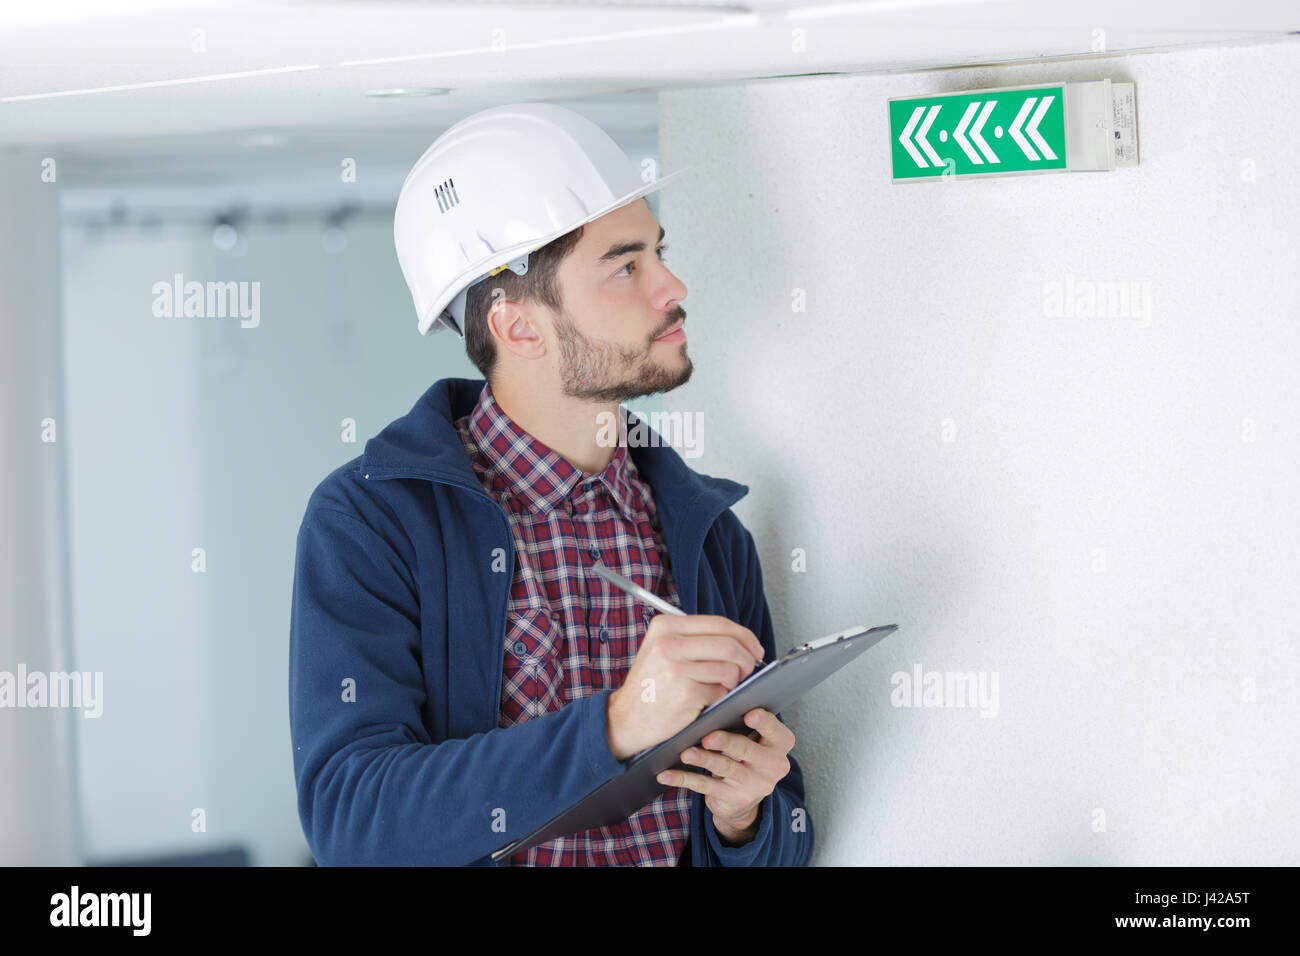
x=672, y=330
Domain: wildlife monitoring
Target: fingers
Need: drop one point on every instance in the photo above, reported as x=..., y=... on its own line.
x=720, y=765
x=719, y=787
x=703, y=625
x=766, y=759
x=734, y=746
x=715, y=693
x=725, y=673
x=709, y=648
x=767, y=724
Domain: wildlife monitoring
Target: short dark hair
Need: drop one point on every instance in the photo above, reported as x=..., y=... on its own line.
x=539, y=284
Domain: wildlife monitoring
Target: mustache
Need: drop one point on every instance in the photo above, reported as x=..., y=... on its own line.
x=678, y=315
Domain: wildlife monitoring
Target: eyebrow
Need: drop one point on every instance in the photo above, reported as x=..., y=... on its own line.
x=622, y=249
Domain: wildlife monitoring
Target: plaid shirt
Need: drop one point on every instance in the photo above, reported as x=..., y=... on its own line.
x=570, y=633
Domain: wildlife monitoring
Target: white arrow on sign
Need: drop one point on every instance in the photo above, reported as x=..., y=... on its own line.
x=906, y=135
x=959, y=134
x=978, y=138
x=1018, y=136
x=1032, y=128
x=925, y=128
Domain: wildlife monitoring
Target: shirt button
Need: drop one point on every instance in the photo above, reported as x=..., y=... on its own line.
x=595, y=552
x=604, y=634
x=521, y=648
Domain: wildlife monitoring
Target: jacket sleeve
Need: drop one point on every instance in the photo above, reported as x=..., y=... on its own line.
x=373, y=788
x=785, y=828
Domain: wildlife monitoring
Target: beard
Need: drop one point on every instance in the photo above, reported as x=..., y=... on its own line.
x=607, y=372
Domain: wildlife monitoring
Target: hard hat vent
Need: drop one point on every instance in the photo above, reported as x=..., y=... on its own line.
x=447, y=197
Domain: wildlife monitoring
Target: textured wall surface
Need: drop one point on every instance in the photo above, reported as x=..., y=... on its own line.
x=1096, y=508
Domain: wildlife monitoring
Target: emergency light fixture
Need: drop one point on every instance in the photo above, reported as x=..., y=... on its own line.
x=1012, y=130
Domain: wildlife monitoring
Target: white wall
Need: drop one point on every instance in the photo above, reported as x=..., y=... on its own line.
x=1100, y=512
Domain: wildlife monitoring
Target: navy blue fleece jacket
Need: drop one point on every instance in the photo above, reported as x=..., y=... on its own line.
x=396, y=640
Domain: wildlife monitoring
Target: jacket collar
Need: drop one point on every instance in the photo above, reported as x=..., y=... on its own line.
x=424, y=444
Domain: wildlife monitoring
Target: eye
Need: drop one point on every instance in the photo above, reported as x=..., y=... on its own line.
x=661, y=250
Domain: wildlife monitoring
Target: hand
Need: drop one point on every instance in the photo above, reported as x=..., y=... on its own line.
x=744, y=771
x=685, y=663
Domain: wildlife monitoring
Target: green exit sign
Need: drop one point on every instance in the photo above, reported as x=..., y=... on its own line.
x=1049, y=127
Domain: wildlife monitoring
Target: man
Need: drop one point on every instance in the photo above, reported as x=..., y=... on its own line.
x=458, y=674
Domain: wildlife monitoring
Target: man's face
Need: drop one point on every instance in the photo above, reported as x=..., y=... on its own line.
x=617, y=300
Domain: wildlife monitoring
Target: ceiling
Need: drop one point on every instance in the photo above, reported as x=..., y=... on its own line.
x=176, y=94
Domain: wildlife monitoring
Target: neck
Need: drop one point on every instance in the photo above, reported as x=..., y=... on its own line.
x=584, y=433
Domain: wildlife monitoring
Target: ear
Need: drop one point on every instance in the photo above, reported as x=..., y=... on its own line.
x=515, y=328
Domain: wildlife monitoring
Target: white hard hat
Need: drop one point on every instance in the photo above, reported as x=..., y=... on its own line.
x=496, y=186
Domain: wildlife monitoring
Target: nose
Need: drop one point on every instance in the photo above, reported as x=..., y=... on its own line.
x=672, y=291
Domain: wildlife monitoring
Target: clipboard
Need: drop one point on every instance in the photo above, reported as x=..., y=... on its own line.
x=772, y=687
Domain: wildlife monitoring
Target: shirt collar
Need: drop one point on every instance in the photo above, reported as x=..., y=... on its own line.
x=540, y=476
x=424, y=444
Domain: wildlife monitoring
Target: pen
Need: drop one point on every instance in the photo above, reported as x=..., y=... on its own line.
x=629, y=586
